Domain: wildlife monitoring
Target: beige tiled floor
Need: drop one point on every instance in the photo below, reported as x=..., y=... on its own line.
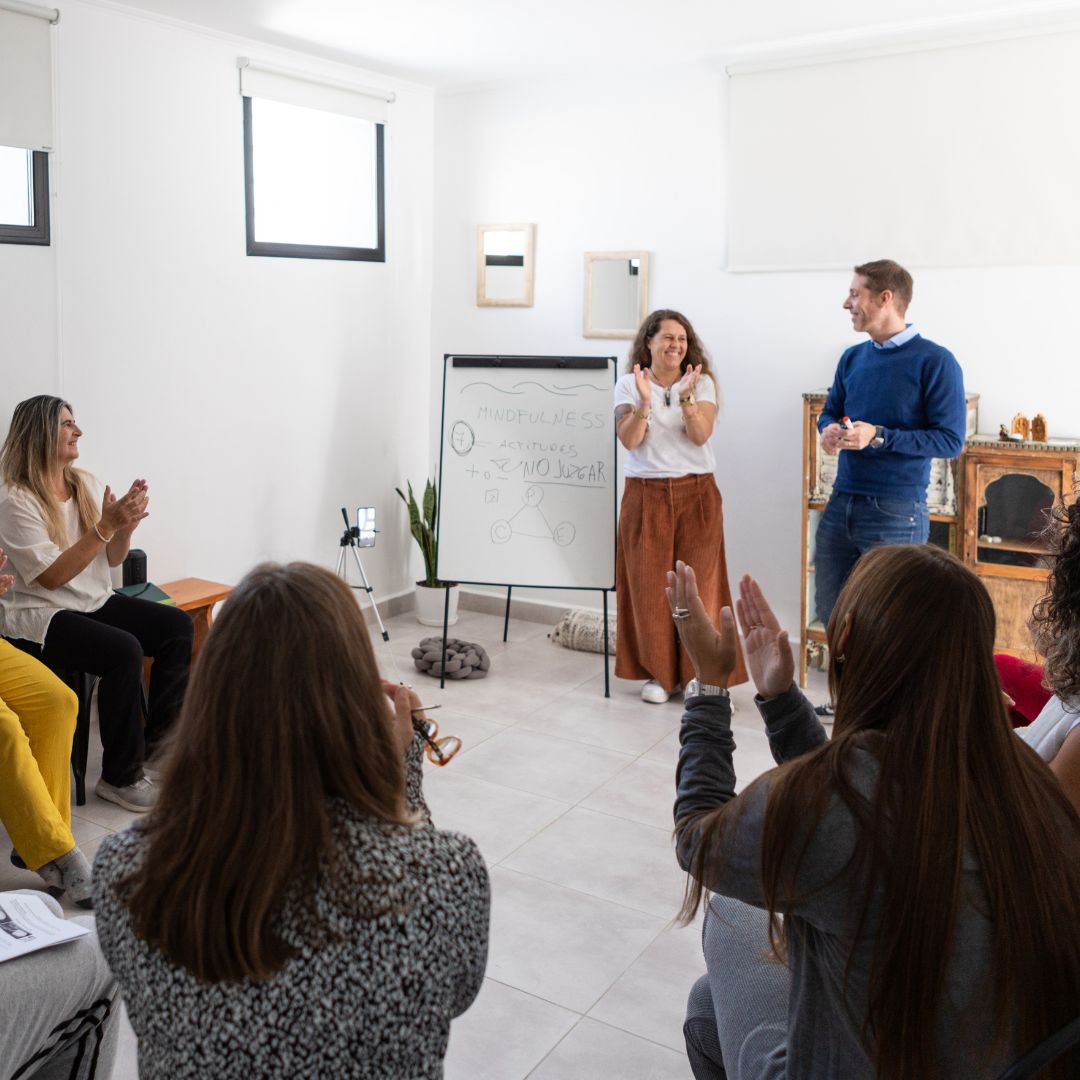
x=569, y=796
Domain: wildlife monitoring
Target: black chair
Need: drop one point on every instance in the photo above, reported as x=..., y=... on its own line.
x=83, y=685
x=1049, y=1050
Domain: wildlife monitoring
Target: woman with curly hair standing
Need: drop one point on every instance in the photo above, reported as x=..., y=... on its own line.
x=665, y=409
x=1055, y=629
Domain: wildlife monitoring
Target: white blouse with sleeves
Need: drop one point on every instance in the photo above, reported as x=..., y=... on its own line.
x=29, y=607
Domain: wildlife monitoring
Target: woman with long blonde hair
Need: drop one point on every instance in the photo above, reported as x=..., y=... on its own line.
x=287, y=909
x=62, y=531
x=918, y=873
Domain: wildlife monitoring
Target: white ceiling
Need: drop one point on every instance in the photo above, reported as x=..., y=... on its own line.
x=454, y=43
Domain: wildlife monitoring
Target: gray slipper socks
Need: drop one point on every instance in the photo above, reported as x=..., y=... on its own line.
x=69, y=874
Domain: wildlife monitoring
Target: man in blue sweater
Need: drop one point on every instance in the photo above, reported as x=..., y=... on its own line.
x=904, y=396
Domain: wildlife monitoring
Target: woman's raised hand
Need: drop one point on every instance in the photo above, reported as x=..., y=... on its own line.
x=644, y=385
x=689, y=380
x=768, y=653
x=405, y=704
x=711, y=651
x=125, y=513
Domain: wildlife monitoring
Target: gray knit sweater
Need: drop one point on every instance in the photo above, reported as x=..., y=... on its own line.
x=825, y=1016
x=375, y=1004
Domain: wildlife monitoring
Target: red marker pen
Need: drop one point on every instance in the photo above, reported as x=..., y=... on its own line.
x=848, y=425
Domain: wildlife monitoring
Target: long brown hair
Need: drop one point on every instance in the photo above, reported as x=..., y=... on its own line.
x=28, y=457
x=917, y=687
x=284, y=712
x=695, y=350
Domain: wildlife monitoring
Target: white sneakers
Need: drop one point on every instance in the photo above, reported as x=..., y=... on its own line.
x=137, y=797
x=654, y=693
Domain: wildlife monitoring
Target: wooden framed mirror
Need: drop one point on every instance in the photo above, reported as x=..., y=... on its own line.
x=504, y=265
x=616, y=293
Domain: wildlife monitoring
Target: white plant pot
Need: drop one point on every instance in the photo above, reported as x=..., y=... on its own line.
x=431, y=603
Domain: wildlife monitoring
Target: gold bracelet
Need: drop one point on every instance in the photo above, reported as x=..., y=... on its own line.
x=641, y=415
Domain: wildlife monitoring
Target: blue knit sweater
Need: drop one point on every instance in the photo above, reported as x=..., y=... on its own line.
x=916, y=393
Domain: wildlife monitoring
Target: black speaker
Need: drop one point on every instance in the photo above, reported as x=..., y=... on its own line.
x=135, y=567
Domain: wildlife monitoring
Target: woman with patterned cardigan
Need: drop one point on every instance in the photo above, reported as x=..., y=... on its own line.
x=287, y=908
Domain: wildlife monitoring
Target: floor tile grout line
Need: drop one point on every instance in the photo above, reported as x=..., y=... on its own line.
x=529, y=993
x=565, y=1035
x=612, y=1027
x=591, y=896
x=539, y=832
x=631, y=821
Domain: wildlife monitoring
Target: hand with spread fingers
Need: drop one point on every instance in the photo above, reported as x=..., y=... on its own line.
x=689, y=380
x=768, y=652
x=711, y=651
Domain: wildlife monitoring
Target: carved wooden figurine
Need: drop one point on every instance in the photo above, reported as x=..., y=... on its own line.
x=1021, y=426
x=1038, y=428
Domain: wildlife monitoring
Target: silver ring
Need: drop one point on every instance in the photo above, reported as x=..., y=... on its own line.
x=681, y=613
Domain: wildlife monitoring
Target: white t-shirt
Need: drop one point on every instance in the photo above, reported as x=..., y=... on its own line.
x=666, y=451
x=28, y=607
x=1049, y=730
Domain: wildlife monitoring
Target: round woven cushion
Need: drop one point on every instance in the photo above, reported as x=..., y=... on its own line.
x=464, y=659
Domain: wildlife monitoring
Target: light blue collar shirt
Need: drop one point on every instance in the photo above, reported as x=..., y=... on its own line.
x=897, y=340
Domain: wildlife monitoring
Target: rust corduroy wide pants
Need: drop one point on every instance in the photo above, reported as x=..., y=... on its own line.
x=661, y=521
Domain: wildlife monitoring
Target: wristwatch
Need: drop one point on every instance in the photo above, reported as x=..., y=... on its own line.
x=689, y=399
x=696, y=688
x=878, y=441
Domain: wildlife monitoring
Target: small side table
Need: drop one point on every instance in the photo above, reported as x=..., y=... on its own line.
x=197, y=597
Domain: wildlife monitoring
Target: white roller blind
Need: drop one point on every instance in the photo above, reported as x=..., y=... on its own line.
x=966, y=155
x=25, y=81
x=296, y=88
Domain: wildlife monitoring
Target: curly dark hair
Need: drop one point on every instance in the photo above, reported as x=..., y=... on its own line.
x=1055, y=621
x=695, y=351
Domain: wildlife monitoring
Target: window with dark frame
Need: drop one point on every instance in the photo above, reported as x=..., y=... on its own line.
x=24, y=196
x=314, y=183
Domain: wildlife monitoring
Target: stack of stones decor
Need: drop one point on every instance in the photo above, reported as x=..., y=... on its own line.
x=464, y=659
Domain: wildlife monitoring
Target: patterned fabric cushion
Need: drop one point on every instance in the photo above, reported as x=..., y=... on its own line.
x=583, y=630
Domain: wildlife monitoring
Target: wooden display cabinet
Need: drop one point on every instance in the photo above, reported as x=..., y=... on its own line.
x=943, y=498
x=1011, y=487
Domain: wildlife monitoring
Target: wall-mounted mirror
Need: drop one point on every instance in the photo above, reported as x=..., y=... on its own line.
x=616, y=293
x=504, y=265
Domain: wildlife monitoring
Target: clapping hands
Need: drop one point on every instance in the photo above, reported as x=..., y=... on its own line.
x=689, y=380
x=124, y=514
x=713, y=650
x=6, y=580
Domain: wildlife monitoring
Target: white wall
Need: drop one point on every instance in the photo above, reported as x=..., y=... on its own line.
x=617, y=163
x=27, y=323
x=257, y=395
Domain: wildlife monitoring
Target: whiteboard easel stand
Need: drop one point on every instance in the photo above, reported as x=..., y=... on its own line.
x=520, y=363
x=506, y=630
x=603, y=592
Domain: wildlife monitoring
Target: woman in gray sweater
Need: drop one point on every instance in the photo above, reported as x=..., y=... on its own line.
x=287, y=908
x=918, y=873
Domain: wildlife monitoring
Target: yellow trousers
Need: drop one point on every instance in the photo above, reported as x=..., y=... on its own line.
x=37, y=722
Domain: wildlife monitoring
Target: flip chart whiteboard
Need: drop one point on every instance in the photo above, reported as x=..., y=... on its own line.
x=527, y=471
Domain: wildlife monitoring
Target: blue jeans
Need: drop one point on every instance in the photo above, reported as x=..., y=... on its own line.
x=852, y=524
